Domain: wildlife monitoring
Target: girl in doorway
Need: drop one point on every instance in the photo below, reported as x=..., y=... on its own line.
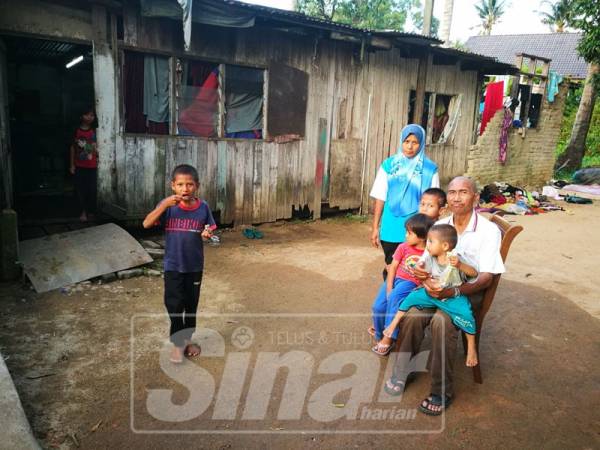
x=84, y=163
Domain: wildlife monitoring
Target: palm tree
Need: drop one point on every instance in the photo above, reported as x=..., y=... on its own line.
x=447, y=21
x=489, y=12
x=558, y=16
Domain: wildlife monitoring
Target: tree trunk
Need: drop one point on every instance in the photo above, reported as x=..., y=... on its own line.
x=447, y=21
x=427, y=17
x=573, y=155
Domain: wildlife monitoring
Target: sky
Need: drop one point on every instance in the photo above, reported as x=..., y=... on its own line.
x=520, y=17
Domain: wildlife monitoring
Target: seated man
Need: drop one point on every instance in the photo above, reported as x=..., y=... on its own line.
x=478, y=241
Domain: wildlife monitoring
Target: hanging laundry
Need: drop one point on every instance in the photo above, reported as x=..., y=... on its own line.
x=525, y=93
x=506, y=123
x=156, y=88
x=186, y=7
x=493, y=102
x=554, y=80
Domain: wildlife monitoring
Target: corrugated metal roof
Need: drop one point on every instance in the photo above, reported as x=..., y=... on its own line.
x=286, y=15
x=497, y=67
x=561, y=48
x=37, y=48
x=487, y=62
x=26, y=49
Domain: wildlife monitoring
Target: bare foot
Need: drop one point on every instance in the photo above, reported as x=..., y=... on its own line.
x=176, y=355
x=386, y=340
x=192, y=350
x=371, y=331
x=472, y=359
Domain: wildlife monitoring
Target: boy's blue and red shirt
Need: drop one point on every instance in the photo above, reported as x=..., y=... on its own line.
x=184, y=249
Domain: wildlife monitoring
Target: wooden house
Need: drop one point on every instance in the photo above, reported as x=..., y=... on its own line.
x=280, y=113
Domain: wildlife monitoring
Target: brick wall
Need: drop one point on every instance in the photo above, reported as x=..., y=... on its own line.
x=530, y=160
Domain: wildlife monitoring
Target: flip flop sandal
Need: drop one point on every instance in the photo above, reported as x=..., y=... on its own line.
x=189, y=354
x=578, y=200
x=381, y=349
x=258, y=234
x=435, y=400
x=248, y=233
x=394, y=387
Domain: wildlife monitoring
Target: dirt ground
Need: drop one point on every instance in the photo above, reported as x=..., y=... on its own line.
x=69, y=353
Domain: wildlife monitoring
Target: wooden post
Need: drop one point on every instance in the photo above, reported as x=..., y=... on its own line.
x=105, y=90
x=420, y=91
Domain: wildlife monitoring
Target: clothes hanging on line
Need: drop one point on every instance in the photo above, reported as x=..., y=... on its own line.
x=554, y=80
x=494, y=95
x=506, y=123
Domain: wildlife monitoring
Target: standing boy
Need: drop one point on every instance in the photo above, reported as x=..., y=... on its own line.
x=186, y=220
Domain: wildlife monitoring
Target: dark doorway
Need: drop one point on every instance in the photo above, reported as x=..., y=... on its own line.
x=46, y=99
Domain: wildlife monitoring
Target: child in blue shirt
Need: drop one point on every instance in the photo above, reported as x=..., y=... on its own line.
x=186, y=220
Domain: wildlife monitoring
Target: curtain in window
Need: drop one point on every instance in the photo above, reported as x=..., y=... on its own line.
x=156, y=88
x=453, y=117
x=198, y=101
x=243, y=99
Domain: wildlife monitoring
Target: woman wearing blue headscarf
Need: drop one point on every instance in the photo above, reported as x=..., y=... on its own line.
x=397, y=189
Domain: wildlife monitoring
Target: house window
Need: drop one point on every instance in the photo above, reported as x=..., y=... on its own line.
x=243, y=102
x=212, y=100
x=440, y=115
x=528, y=89
x=411, y=108
x=287, y=102
x=197, y=98
x=146, y=86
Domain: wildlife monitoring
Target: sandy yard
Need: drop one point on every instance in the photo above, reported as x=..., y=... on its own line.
x=69, y=354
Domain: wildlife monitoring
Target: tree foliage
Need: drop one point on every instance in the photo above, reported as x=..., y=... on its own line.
x=558, y=17
x=489, y=12
x=585, y=16
x=370, y=14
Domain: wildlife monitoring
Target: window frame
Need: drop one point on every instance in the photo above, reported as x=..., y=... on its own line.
x=172, y=126
x=431, y=118
x=430, y=113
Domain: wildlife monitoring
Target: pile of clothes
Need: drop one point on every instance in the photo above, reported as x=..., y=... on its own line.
x=510, y=199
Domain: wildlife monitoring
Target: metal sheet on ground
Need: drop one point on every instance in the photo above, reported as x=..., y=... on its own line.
x=61, y=259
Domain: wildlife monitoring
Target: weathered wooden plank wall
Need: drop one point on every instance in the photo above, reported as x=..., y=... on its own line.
x=256, y=181
x=259, y=181
x=450, y=80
